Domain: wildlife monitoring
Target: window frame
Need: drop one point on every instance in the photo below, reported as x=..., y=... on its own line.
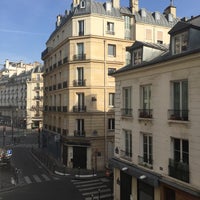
x=112, y=50
x=128, y=149
x=111, y=124
x=111, y=102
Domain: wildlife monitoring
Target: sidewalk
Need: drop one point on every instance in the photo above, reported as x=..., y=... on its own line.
x=53, y=166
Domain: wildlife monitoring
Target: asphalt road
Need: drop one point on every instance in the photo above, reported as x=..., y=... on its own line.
x=35, y=183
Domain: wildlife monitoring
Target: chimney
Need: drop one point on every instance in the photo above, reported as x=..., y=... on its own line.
x=58, y=22
x=116, y=3
x=134, y=5
x=170, y=10
x=76, y=3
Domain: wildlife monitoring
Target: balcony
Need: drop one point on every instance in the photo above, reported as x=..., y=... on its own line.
x=146, y=162
x=65, y=60
x=79, y=133
x=181, y=115
x=79, y=108
x=59, y=108
x=179, y=170
x=64, y=109
x=145, y=113
x=37, y=97
x=126, y=155
x=78, y=83
x=59, y=86
x=46, y=51
x=65, y=84
x=37, y=88
x=79, y=57
x=126, y=112
x=59, y=63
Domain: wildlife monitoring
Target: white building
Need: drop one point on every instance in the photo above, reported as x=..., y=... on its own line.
x=21, y=94
x=157, y=140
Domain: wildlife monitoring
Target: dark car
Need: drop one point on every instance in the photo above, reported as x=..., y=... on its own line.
x=5, y=156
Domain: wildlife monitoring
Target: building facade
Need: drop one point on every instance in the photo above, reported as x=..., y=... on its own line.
x=88, y=43
x=157, y=141
x=21, y=94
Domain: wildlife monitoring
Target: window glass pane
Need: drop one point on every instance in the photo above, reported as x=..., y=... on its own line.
x=177, y=150
x=176, y=96
x=184, y=95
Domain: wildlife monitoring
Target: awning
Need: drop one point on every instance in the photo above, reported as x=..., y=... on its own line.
x=151, y=178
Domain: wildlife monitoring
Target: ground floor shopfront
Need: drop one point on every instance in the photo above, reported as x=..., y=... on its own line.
x=90, y=153
x=132, y=182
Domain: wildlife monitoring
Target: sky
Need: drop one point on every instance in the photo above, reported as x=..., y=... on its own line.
x=25, y=25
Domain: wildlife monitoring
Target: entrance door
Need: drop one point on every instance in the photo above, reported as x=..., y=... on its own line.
x=79, y=157
x=125, y=186
x=145, y=191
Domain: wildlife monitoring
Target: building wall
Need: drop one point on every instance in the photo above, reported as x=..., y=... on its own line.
x=161, y=128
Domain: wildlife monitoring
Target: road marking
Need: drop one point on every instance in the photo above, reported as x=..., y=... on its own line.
x=96, y=192
x=93, y=188
x=27, y=179
x=77, y=182
x=88, y=185
x=45, y=177
x=37, y=179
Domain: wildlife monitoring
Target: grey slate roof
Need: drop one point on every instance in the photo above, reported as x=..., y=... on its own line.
x=156, y=18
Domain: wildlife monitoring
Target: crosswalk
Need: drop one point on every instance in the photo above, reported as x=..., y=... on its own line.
x=38, y=178
x=94, y=189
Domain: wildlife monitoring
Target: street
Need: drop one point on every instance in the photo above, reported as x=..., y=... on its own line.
x=26, y=178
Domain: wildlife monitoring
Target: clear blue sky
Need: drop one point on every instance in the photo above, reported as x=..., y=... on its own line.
x=25, y=25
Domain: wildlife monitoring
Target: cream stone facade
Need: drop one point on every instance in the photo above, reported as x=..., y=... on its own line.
x=89, y=43
x=21, y=99
x=157, y=110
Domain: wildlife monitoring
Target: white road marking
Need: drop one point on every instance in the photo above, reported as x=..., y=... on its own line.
x=45, y=177
x=27, y=179
x=37, y=179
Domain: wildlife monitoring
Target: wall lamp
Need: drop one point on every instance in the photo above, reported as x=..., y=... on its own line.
x=142, y=177
x=124, y=168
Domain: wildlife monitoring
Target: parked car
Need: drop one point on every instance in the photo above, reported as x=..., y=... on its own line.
x=5, y=156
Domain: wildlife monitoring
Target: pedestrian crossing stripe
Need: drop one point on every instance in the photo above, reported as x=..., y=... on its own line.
x=38, y=178
x=95, y=188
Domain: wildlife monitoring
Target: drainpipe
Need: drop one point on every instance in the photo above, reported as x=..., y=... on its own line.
x=105, y=130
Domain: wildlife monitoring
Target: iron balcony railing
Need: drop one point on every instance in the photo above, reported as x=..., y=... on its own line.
x=126, y=154
x=79, y=56
x=79, y=133
x=80, y=82
x=79, y=108
x=179, y=170
x=145, y=113
x=145, y=161
x=127, y=112
x=181, y=115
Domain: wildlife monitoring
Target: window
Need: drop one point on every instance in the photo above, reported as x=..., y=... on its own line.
x=80, y=77
x=137, y=56
x=111, y=99
x=111, y=70
x=149, y=34
x=160, y=37
x=80, y=127
x=81, y=27
x=181, y=150
x=82, y=4
x=128, y=143
x=179, y=165
x=145, y=111
x=81, y=100
x=127, y=23
x=110, y=28
x=112, y=50
x=147, y=149
x=80, y=48
x=179, y=100
x=111, y=124
x=180, y=43
x=127, y=107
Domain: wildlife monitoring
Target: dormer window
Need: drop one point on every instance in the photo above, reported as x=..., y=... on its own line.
x=180, y=43
x=82, y=4
x=137, y=56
